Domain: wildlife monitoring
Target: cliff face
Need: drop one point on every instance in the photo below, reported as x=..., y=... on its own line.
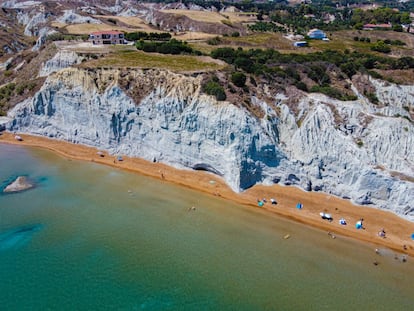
x=349, y=149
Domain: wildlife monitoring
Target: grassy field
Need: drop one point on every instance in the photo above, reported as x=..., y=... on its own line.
x=342, y=40
x=139, y=59
x=254, y=41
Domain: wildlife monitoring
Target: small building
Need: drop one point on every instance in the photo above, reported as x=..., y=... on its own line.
x=107, y=37
x=300, y=43
x=316, y=34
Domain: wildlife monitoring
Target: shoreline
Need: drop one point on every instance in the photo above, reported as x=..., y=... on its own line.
x=398, y=230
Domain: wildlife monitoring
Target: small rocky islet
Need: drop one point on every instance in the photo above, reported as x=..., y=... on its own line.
x=21, y=183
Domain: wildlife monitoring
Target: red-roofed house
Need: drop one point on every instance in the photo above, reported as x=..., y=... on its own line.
x=377, y=26
x=107, y=37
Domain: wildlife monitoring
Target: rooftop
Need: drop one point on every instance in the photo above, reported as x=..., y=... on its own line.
x=377, y=26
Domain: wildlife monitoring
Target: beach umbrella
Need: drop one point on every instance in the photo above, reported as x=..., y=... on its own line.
x=260, y=203
x=412, y=236
x=299, y=205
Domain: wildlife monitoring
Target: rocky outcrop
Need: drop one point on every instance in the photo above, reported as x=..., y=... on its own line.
x=71, y=17
x=61, y=60
x=3, y=123
x=20, y=184
x=348, y=149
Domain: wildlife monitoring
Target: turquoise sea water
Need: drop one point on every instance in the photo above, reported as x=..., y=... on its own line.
x=91, y=237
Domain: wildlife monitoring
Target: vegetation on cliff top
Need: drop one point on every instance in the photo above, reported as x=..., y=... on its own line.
x=139, y=59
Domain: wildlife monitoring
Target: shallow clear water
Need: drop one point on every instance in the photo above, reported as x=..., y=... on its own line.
x=91, y=237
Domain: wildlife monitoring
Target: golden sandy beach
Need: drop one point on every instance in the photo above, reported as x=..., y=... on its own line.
x=398, y=230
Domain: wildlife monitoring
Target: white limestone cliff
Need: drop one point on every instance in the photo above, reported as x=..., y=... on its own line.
x=348, y=149
x=62, y=59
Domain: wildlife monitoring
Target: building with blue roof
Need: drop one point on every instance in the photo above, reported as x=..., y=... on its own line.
x=316, y=34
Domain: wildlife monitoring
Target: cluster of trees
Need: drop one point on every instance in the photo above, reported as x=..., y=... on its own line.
x=293, y=17
x=266, y=26
x=382, y=46
x=258, y=61
x=319, y=15
x=153, y=36
x=362, y=39
x=316, y=66
x=379, y=16
x=5, y=93
x=12, y=89
x=214, y=88
x=171, y=47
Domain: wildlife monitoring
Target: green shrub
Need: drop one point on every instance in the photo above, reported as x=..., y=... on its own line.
x=331, y=92
x=380, y=46
x=227, y=22
x=301, y=86
x=171, y=47
x=238, y=79
x=372, y=98
x=152, y=36
x=214, y=41
x=375, y=74
x=215, y=89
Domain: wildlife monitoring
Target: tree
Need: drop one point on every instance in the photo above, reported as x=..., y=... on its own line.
x=380, y=46
x=215, y=89
x=397, y=27
x=238, y=79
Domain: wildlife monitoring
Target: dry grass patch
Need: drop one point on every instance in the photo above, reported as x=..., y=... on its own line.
x=203, y=47
x=260, y=40
x=241, y=17
x=139, y=59
x=189, y=36
x=399, y=76
x=201, y=16
x=130, y=21
x=214, y=17
x=87, y=47
x=254, y=41
x=82, y=29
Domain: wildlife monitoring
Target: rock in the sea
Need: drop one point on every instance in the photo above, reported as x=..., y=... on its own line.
x=21, y=183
